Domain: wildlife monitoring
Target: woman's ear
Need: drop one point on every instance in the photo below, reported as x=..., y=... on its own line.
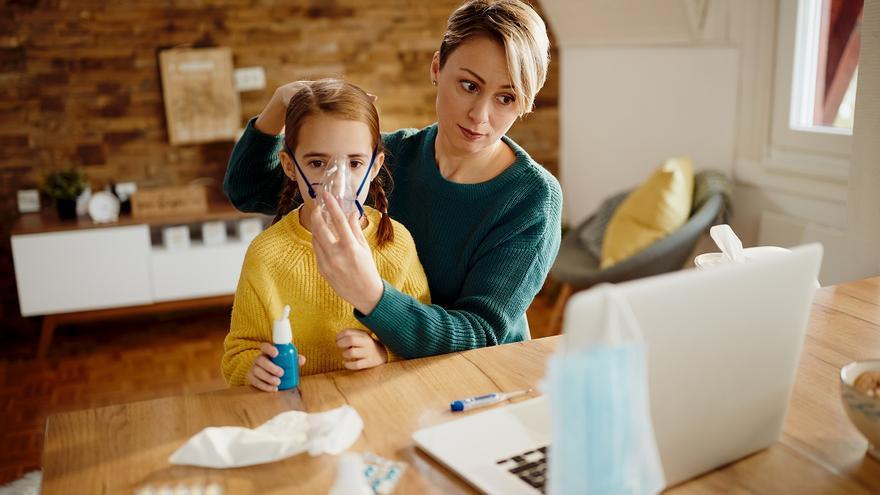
x=287, y=165
x=435, y=68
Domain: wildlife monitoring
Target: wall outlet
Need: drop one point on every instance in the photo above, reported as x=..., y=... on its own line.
x=250, y=79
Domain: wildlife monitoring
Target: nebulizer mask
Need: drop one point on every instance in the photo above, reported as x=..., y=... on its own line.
x=602, y=433
x=339, y=180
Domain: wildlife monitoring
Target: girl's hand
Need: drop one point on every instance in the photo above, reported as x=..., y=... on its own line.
x=359, y=350
x=271, y=119
x=264, y=374
x=347, y=262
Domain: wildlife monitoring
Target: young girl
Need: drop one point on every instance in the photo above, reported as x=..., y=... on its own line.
x=327, y=119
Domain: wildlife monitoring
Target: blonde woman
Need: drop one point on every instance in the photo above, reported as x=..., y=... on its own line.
x=484, y=215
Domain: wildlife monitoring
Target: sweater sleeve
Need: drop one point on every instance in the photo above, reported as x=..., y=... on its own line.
x=415, y=285
x=248, y=329
x=501, y=284
x=254, y=176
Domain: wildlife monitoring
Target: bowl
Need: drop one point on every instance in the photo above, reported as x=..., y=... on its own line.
x=863, y=410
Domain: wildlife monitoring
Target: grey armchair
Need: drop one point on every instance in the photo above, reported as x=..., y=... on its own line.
x=576, y=268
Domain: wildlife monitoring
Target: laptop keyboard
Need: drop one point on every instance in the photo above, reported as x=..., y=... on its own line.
x=530, y=467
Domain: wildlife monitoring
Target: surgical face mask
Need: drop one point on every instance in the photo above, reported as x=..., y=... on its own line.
x=340, y=181
x=603, y=436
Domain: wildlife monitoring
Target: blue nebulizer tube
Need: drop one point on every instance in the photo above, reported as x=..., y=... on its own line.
x=287, y=358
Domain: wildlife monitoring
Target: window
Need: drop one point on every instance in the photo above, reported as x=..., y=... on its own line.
x=814, y=96
x=825, y=65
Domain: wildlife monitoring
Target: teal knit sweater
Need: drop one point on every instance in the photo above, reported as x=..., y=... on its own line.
x=486, y=248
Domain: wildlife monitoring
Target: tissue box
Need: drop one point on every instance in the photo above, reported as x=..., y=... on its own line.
x=175, y=237
x=214, y=233
x=249, y=228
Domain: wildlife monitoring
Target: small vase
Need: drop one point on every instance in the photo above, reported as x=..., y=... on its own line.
x=66, y=208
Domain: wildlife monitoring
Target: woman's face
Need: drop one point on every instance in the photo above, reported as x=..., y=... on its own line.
x=323, y=138
x=475, y=100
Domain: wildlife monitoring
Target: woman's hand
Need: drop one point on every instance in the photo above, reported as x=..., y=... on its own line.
x=264, y=374
x=271, y=119
x=359, y=350
x=347, y=262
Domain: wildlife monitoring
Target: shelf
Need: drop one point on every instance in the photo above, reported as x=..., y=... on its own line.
x=47, y=220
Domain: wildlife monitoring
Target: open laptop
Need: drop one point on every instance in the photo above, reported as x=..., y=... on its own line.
x=723, y=349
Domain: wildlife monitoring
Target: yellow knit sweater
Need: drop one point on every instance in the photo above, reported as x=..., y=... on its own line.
x=280, y=268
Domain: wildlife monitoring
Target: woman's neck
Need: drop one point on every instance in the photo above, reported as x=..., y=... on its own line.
x=471, y=168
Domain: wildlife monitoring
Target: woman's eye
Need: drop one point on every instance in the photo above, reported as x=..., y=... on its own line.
x=316, y=163
x=356, y=163
x=468, y=86
x=506, y=99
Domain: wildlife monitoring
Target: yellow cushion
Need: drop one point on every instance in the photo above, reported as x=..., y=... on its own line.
x=658, y=207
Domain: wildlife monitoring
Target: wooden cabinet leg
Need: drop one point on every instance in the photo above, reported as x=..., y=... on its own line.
x=565, y=291
x=46, y=335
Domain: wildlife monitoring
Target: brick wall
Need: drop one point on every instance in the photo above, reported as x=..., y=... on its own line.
x=79, y=83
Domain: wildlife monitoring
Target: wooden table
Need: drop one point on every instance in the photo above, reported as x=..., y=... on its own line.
x=118, y=449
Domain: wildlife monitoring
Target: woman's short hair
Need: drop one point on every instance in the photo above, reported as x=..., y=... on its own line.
x=521, y=32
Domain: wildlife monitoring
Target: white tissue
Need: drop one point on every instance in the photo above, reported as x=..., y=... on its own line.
x=287, y=434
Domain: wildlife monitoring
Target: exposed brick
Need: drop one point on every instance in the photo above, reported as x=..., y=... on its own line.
x=116, y=138
x=90, y=154
x=12, y=59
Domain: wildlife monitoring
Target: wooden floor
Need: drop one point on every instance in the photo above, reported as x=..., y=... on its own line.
x=117, y=361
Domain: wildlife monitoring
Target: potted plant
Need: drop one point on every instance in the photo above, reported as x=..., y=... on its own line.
x=64, y=187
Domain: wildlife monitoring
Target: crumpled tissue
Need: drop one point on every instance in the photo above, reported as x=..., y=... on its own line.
x=287, y=434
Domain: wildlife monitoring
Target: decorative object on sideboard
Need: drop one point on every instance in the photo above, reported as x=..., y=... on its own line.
x=248, y=228
x=104, y=207
x=175, y=237
x=124, y=191
x=28, y=201
x=162, y=201
x=214, y=233
x=65, y=187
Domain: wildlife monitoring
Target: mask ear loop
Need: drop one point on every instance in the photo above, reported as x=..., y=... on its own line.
x=305, y=179
x=357, y=195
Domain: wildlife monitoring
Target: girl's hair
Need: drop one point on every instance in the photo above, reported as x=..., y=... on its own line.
x=344, y=100
x=521, y=32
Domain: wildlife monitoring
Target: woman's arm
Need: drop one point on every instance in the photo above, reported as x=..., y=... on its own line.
x=494, y=297
x=501, y=283
x=254, y=177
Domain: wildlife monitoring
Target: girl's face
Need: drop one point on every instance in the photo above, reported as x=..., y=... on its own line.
x=475, y=100
x=322, y=138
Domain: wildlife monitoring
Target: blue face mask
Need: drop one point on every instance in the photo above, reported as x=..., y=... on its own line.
x=313, y=194
x=602, y=435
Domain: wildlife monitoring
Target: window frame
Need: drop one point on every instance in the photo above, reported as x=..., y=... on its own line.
x=821, y=151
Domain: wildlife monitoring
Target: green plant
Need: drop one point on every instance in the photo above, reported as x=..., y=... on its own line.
x=64, y=184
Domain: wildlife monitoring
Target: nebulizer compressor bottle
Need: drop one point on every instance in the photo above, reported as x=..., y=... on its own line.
x=287, y=358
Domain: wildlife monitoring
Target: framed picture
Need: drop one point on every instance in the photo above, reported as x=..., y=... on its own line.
x=201, y=104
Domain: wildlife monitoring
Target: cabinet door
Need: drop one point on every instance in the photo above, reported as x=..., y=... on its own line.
x=62, y=272
x=197, y=271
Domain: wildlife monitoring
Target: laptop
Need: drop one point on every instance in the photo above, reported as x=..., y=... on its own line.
x=723, y=349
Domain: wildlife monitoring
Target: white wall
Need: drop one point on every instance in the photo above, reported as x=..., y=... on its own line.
x=625, y=110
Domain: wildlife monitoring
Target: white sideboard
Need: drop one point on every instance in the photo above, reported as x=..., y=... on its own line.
x=65, y=268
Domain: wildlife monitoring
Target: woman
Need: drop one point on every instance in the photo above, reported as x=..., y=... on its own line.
x=485, y=217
